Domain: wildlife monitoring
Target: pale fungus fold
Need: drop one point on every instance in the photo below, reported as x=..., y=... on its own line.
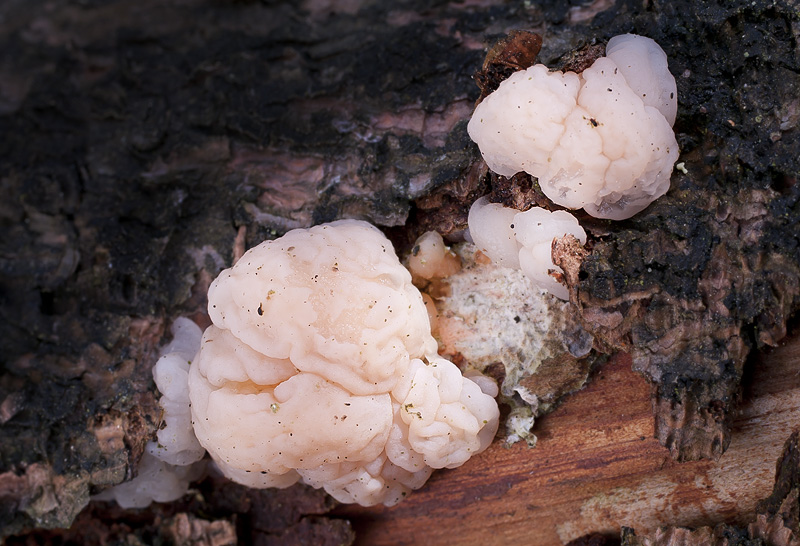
x=172, y=461
x=321, y=367
x=177, y=444
x=523, y=240
x=601, y=140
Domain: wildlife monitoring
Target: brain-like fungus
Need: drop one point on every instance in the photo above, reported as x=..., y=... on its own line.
x=601, y=140
x=320, y=366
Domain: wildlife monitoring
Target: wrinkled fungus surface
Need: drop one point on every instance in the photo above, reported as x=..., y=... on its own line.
x=321, y=366
x=523, y=240
x=601, y=140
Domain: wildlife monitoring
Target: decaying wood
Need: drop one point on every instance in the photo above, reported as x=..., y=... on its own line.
x=496, y=321
x=597, y=468
x=777, y=520
x=690, y=335
x=217, y=512
x=510, y=54
x=187, y=530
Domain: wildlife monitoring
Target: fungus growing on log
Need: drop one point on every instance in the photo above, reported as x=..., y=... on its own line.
x=320, y=366
x=523, y=240
x=601, y=140
x=174, y=459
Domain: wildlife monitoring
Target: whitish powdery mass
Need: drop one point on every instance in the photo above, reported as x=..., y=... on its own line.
x=601, y=140
x=321, y=366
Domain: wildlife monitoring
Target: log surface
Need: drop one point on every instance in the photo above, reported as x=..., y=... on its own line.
x=597, y=468
x=146, y=142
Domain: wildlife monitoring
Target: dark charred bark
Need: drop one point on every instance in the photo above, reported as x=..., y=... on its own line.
x=711, y=270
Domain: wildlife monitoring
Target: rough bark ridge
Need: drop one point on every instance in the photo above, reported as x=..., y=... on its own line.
x=709, y=271
x=219, y=513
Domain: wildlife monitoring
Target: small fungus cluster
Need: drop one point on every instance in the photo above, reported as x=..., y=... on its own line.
x=523, y=240
x=601, y=140
x=174, y=459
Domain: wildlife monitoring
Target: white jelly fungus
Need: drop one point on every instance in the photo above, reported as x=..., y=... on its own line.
x=174, y=460
x=523, y=240
x=601, y=140
x=321, y=367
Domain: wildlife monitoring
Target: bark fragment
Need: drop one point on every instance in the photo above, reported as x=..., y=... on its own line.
x=510, y=54
x=186, y=530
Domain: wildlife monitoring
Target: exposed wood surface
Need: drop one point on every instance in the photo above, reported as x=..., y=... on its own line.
x=597, y=467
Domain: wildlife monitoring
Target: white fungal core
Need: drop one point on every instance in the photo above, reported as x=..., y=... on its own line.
x=601, y=140
x=523, y=240
x=321, y=366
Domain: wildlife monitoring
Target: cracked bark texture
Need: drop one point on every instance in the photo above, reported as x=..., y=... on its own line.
x=141, y=137
x=217, y=513
x=711, y=270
